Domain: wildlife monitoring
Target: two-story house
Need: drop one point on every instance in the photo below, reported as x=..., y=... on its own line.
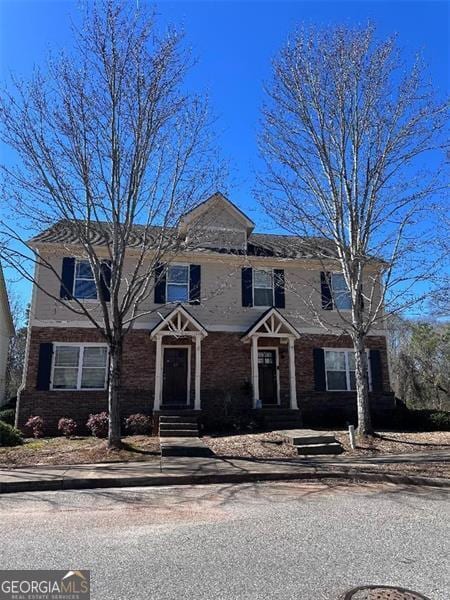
x=238, y=318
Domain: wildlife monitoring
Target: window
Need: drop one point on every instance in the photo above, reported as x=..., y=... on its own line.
x=178, y=283
x=262, y=288
x=84, y=287
x=79, y=367
x=341, y=294
x=340, y=370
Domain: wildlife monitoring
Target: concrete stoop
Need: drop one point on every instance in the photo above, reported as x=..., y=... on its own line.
x=178, y=434
x=178, y=424
x=184, y=446
x=313, y=443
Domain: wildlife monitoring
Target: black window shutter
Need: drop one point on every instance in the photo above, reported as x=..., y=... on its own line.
x=44, y=366
x=160, y=285
x=194, y=284
x=105, y=280
x=375, y=370
x=279, y=288
x=327, y=300
x=247, y=284
x=67, y=275
x=320, y=384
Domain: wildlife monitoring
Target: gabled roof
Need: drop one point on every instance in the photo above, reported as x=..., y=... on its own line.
x=64, y=233
x=4, y=304
x=217, y=199
x=178, y=322
x=271, y=324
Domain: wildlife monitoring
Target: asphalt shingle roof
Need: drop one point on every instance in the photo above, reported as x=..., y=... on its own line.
x=259, y=244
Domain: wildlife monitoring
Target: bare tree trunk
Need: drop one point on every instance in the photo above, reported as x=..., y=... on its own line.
x=115, y=376
x=362, y=387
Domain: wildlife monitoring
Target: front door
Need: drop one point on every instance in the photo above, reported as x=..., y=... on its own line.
x=267, y=370
x=175, y=376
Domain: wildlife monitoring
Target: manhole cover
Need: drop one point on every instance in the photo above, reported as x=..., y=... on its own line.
x=382, y=592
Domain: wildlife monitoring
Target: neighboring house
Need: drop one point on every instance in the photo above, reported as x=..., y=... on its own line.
x=6, y=333
x=228, y=325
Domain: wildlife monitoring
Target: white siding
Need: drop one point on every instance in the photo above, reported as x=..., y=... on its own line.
x=221, y=307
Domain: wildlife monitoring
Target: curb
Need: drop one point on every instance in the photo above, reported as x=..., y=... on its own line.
x=231, y=478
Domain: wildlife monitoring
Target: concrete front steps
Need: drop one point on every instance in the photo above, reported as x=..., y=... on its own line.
x=178, y=434
x=312, y=443
x=178, y=423
x=184, y=446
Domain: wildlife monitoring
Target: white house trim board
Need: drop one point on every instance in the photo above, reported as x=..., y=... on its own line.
x=179, y=323
x=211, y=328
x=272, y=324
x=292, y=376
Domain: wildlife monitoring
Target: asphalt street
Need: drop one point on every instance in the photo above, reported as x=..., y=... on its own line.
x=305, y=541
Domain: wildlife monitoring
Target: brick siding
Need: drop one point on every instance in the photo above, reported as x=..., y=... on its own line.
x=225, y=377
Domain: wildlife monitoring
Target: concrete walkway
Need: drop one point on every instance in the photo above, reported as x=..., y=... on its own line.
x=201, y=470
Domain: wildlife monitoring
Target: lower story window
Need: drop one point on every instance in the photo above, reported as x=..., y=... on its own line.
x=79, y=367
x=340, y=370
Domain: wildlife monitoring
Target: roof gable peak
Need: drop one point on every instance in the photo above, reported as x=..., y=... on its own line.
x=216, y=200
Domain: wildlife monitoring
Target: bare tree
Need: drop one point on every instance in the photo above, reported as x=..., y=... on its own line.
x=16, y=349
x=345, y=131
x=112, y=146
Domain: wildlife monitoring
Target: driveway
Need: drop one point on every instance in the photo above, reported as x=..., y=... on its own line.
x=306, y=541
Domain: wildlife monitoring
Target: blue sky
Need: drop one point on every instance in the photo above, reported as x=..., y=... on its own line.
x=234, y=43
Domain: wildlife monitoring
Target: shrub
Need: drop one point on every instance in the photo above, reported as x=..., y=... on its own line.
x=138, y=424
x=98, y=424
x=9, y=435
x=439, y=420
x=36, y=424
x=430, y=420
x=8, y=415
x=67, y=426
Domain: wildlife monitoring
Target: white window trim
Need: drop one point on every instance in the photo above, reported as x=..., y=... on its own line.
x=75, y=279
x=80, y=345
x=187, y=266
x=271, y=271
x=188, y=382
x=347, y=370
x=277, y=369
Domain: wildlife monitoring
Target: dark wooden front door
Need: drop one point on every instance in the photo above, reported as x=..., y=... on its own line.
x=267, y=370
x=175, y=376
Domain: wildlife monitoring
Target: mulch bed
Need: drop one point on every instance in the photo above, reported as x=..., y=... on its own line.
x=255, y=445
x=273, y=445
x=78, y=450
x=396, y=442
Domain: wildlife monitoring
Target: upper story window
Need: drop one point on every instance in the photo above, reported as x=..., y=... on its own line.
x=340, y=370
x=79, y=367
x=262, y=287
x=84, y=287
x=178, y=283
x=341, y=294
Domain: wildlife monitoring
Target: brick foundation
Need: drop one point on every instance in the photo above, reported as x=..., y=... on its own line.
x=225, y=377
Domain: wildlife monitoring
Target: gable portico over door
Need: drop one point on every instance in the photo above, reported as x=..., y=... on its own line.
x=173, y=361
x=271, y=326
